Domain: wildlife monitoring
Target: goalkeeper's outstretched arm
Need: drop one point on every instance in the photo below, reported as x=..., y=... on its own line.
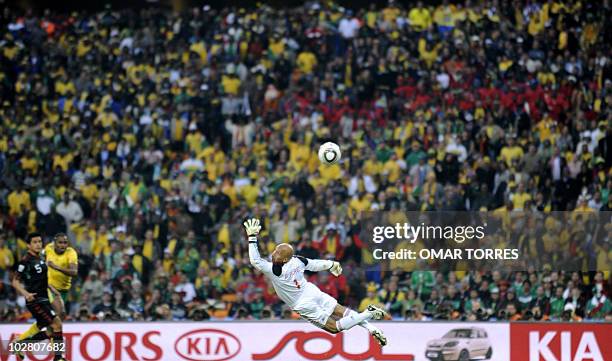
x=252, y=228
x=256, y=260
x=318, y=265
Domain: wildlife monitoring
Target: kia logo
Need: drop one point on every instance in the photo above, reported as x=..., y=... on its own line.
x=207, y=345
x=588, y=347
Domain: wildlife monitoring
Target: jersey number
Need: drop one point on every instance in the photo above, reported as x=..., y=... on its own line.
x=297, y=284
x=38, y=268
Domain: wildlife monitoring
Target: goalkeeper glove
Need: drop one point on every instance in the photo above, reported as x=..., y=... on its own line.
x=252, y=227
x=336, y=269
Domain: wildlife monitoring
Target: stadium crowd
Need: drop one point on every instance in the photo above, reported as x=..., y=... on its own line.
x=148, y=136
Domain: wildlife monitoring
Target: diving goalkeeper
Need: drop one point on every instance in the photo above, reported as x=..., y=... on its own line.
x=286, y=273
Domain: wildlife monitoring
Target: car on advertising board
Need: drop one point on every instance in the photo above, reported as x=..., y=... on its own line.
x=460, y=344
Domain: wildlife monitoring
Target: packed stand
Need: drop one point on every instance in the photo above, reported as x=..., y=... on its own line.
x=149, y=136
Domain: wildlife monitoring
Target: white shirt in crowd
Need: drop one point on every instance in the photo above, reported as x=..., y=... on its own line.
x=187, y=288
x=457, y=148
x=192, y=164
x=368, y=184
x=241, y=134
x=44, y=204
x=556, y=168
x=71, y=211
x=78, y=178
x=348, y=27
x=443, y=79
x=241, y=182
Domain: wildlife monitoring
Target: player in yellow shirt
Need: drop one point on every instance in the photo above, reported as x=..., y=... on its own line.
x=62, y=262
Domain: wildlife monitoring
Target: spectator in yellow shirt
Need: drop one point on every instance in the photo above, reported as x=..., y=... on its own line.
x=359, y=204
x=428, y=52
x=372, y=166
x=62, y=160
x=277, y=46
x=371, y=298
x=392, y=169
x=194, y=140
x=90, y=191
x=511, y=151
x=306, y=61
x=420, y=17
x=63, y=85
x=536, y=24
x=250, y=192
x=520, y=197
x=371, y=16
x=29, y=162
x=390, y=13
x=230, y=84
x=299, y=154
x=330, y=172
x=6, y=257
x=444, y=17
x=18, y=201
x=101, y=242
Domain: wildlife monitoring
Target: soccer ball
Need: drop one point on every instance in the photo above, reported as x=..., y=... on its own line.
x=329, y=153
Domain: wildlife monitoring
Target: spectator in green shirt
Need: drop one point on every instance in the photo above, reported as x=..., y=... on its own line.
x=525, y=295
x=187, y=260
x=453, y=299
x=415, y=154
x=432, y=305
x=492, y=305
x=557, y=302
x=411, y=301
x=422, y=282
x=599, y=306
x=257, y=304
x=473, y=301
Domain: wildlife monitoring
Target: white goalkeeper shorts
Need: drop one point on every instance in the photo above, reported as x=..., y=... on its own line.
x=315, y=305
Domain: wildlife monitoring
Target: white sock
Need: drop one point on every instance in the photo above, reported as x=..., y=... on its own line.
x=352, y=319
x=365, y=324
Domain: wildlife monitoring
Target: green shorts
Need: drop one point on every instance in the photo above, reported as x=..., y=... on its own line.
x=63, y=294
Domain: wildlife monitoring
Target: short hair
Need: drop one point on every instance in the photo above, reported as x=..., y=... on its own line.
x=31, y=236
x=60, y=235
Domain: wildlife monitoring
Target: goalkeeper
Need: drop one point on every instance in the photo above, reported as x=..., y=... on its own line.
x=286, y=273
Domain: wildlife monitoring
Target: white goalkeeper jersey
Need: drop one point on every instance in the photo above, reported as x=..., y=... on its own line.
x=288, y=280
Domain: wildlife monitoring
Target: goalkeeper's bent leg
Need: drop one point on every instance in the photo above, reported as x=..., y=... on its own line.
x=353, y=319
x=373, y=330
x=365, y=324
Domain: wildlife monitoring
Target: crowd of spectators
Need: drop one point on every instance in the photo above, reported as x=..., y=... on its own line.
x=148, y=136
